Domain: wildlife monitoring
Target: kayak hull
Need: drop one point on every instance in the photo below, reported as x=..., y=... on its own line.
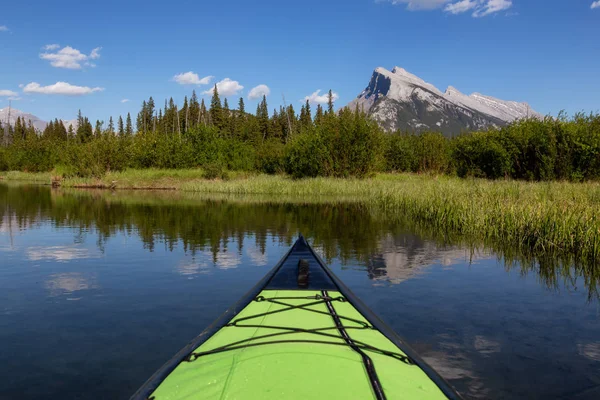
x=285, y=341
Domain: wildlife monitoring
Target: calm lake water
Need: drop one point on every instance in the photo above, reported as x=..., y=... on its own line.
x=99, y=289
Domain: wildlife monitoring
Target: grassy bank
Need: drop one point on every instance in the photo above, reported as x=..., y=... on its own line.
x=550, y=220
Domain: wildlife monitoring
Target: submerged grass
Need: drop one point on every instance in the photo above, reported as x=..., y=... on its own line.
x=550, y=220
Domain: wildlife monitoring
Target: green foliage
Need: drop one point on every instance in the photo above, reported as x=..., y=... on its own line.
x=346, y=143
x=213, y=171
x=532, y=149
x=480, y=155
x=271, y=157
x=307, y=155
x=400, y=154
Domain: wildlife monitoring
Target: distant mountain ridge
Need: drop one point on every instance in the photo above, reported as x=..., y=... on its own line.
x=398, y=99
x=37, y=122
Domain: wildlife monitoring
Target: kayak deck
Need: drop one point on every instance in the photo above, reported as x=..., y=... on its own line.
x=285, y=344
x=299, y=333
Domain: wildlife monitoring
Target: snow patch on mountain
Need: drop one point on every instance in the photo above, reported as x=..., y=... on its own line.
x=411, y=102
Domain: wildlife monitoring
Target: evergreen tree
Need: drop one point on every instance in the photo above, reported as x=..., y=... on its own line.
x=242, y=107
x=216, y=109
x=149, y=115
x=305, y=116
x=319, y=115
x=120, y=126
x=60, y=132
x=184, y=115
x=330, y=102
x=111, y=126
x=262, y=114
x=71, y=132
x=98, y=129
x=128, y=126
x=160, y=122
x=48, y=132
x=308, y=114
x=203, y=113
x=140, y=122
x=84, y=131
x=227, y=124
x=194, y=109
x=79, y=119
x=171, y=118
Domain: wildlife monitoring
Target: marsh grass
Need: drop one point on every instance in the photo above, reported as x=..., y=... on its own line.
x=40, y=177
x=549, y=220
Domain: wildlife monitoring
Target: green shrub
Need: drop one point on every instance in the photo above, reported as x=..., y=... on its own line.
x=270, y=157
x=213, y=171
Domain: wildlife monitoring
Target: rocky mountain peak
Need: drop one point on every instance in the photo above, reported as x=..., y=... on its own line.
x=398, y=99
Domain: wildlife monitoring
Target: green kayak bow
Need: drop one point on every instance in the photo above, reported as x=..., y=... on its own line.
x=300, y=333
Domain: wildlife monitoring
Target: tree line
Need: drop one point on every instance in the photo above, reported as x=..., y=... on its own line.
x=345, y=143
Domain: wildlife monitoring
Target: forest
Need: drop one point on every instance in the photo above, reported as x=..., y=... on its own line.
x=326, y=142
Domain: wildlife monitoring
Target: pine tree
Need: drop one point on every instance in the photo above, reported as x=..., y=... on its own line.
x=149, y=115
x=98, y=129
x=202, y=113
x=60, y=130
x=242, y=106
x=140, y=122
x=226, y=118
x=319, y=115
x=216, y=109
x=120, y=126
x=194, y=109
x=305, y=115
x=84, y=131
x=171, y=116
x=49, y=130
x=128, y=126
x=79, y=119
x=262, y=114
x=160, y=122
x=111, y=126
x=184, y=114
x=330, y=102
x=71, y=132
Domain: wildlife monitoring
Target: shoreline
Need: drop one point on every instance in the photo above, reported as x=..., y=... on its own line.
x=552, y=221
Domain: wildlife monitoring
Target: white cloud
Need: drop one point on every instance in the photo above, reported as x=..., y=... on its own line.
x=316, y=97
x=52, y=46
x=124, y=100
x=226, y=87
x=420, y=4
x=95, y=54
x=68, y=57
x=488, y=7
x=595, y=4
x=461, y=6
x=62, y=88
x=4, y=28
x=191, y=78
x=480, y=8
x=258, y=92
x=8, y=93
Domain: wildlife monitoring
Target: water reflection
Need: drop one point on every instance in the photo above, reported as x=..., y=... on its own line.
x=151, y=270
x=67, y=283
x=402, y=257
x=60, y=253
x=388, y=250
x=590, y=351
x=192, y=267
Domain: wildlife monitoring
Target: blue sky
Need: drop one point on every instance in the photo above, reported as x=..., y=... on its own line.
x=545, y=52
